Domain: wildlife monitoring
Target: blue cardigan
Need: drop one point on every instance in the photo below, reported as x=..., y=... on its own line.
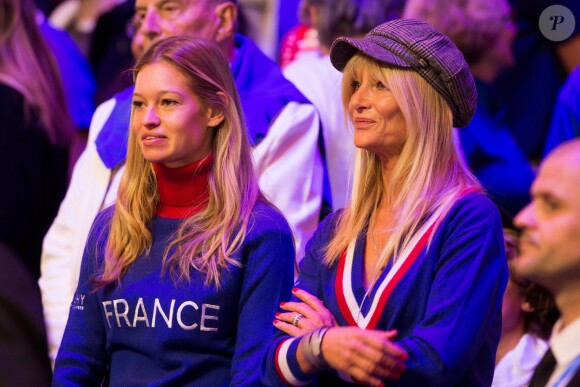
x=445, y=304
x=149, y=331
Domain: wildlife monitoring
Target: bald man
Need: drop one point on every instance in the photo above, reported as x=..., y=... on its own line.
x=550, y=256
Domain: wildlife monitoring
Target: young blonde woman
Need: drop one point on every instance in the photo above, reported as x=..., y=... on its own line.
x=181, y=277
x=405, y=285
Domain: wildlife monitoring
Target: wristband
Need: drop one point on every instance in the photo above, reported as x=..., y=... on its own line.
x=311, y=344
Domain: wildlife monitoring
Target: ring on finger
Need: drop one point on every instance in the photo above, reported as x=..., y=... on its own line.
x=296, y=318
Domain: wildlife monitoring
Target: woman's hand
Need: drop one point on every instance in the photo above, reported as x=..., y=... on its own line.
x=366, y=355
x=314, y=315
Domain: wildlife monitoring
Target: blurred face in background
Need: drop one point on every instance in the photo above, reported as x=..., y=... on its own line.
x=512, y=310
x=158, y=19
x=502, y=50
x=483, y=30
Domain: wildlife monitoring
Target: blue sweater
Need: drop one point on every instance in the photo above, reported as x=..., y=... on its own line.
x=149, y=331
x=445, y=301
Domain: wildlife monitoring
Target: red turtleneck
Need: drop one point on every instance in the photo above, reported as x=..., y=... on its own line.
x=183, y=191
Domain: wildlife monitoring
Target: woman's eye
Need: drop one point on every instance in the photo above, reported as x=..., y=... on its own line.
x=381, y=86
x=137, y=104
x=168, y=102
x=355, y=85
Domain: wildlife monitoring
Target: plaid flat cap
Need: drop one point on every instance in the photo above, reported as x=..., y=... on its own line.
x=414, y=44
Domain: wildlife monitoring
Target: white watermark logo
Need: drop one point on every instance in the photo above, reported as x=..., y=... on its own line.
x=557, y=23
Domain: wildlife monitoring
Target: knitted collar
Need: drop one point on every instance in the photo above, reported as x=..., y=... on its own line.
x=183, y=191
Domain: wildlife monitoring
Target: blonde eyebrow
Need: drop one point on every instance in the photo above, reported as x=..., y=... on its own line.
x=160, y=93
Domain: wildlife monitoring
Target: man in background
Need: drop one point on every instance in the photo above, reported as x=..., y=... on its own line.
x=550, y=256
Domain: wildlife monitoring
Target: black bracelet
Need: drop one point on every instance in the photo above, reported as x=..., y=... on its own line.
x=311, y=344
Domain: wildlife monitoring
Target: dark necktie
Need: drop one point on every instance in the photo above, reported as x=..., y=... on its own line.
x=575, y=382
x=544, y=370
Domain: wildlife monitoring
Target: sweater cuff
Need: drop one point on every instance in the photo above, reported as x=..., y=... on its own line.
x=287, y=364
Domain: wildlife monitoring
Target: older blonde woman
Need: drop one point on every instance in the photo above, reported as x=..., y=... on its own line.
x=405, y=285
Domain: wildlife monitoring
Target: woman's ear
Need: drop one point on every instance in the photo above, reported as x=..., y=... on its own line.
x=215, y=114
x=227, y=13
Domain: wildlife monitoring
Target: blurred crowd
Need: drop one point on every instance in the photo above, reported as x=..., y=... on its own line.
x=66, y=82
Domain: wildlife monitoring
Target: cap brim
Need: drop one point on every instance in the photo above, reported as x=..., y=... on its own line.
x=343, y=49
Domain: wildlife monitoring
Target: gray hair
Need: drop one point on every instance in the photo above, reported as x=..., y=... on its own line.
x=348, y=17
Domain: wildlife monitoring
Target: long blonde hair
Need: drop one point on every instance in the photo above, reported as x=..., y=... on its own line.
x=28, y=66
x=206, y=240
x=428, y=175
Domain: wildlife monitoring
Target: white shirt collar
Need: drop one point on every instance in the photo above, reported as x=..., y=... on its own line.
x=564, y=342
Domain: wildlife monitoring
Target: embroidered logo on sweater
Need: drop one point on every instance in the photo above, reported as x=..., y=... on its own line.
x=78, y=302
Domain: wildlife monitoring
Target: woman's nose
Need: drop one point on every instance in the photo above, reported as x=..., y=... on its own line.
x=151, y=119
x=359, y=100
